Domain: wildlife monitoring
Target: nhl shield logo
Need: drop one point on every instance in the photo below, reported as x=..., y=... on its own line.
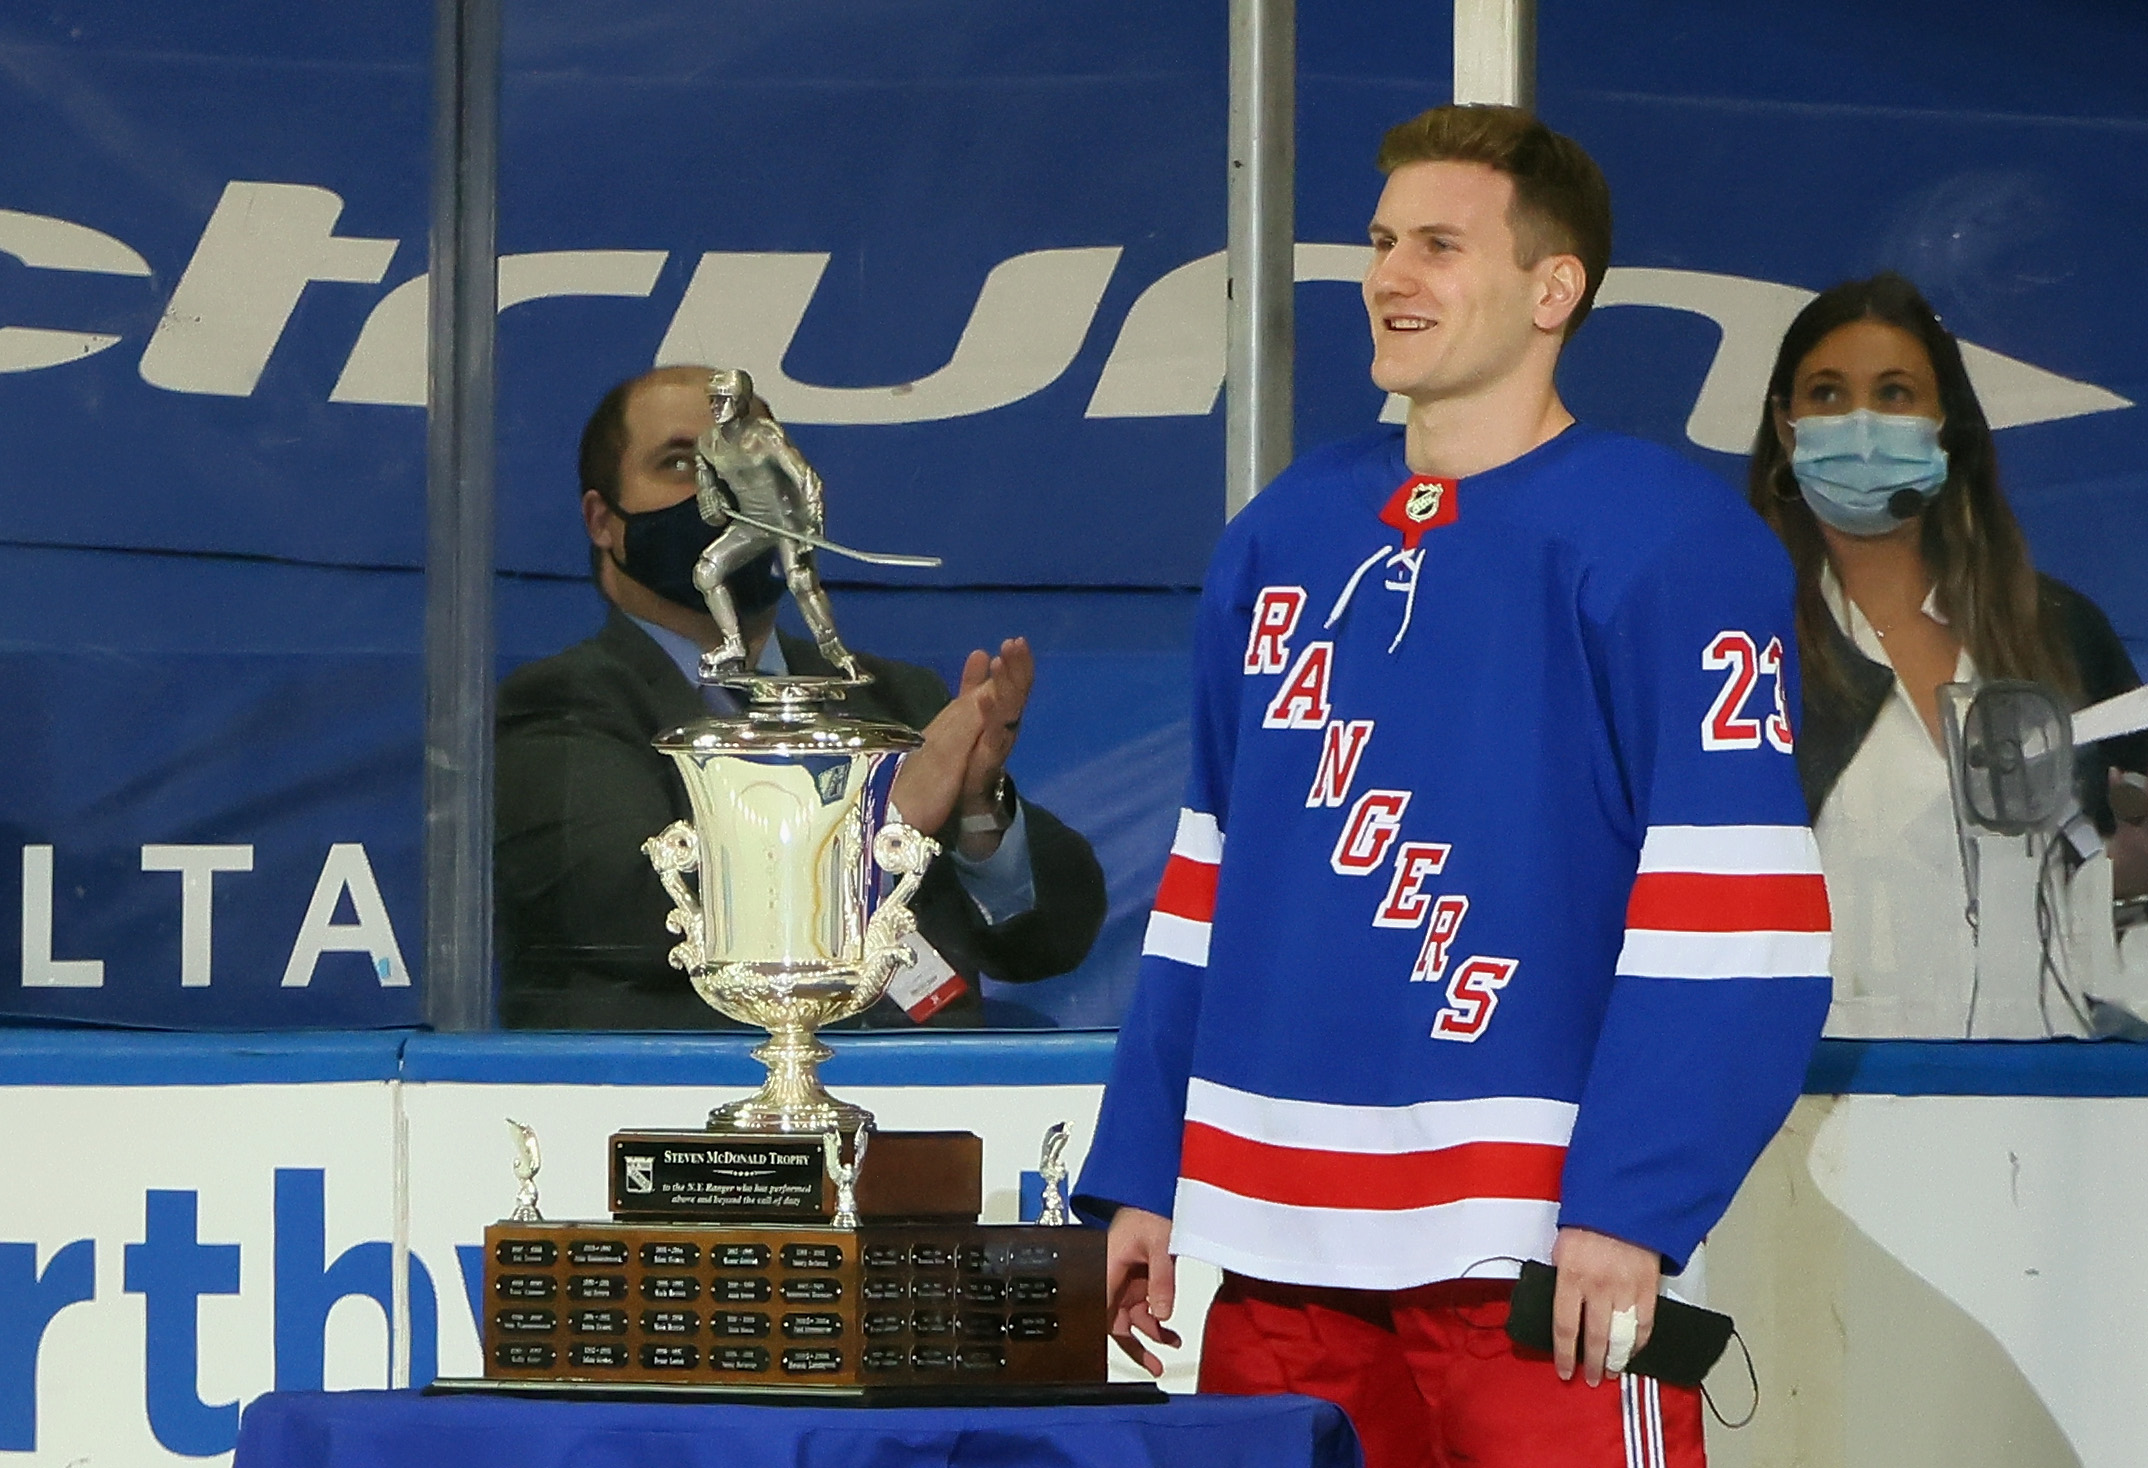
x=1420, y=503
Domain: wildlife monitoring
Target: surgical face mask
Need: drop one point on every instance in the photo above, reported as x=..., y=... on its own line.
x=1864, y=472
x=663, y=545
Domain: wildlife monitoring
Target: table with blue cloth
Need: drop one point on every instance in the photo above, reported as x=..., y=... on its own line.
x=412, y=1430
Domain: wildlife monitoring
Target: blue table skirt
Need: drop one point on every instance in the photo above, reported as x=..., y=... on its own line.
x=408, y=1430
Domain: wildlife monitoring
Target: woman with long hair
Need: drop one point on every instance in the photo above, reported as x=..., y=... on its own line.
x=1875, y=464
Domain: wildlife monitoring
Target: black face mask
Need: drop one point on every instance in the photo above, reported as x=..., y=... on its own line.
x=663, y=545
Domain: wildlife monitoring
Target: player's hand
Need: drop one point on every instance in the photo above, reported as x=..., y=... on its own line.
x=1140, y=1278
x=1598, y=1275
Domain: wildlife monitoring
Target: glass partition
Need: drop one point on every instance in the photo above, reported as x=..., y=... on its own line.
x=1746, y=182
x=959, y=253
x=214, y=520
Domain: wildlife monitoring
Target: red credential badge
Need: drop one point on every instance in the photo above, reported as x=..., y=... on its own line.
x=1421, y=503
x=928, y=984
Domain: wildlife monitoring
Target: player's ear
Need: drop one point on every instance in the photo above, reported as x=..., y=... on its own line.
x=1561, y=280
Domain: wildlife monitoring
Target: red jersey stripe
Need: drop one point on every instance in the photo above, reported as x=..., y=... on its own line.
x=1188, y=889
x=1701, y=902
x=1305, y=1178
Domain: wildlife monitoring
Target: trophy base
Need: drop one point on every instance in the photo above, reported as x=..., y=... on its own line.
x=974, y=1306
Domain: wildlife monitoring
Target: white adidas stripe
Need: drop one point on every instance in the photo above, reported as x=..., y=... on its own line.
x=1641, y=1409
x=1629, y=1421
x=1655, y=1419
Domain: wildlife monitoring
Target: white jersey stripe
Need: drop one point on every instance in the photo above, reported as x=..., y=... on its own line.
x=1731, y=851
x=1357, y=1248
x=1660, y=954
x=1199, y=838
x=1176, y=937
x=1426, y=1126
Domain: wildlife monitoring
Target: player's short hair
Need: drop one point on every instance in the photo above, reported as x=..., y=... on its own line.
x=1562, y=206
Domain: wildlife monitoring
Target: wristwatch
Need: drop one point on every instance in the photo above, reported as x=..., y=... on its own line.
x=1000, y=817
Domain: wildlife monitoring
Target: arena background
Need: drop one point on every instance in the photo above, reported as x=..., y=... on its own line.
x=972, y=256
x=971, y=253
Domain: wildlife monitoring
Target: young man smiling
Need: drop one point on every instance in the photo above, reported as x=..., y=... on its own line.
x=1493, y=929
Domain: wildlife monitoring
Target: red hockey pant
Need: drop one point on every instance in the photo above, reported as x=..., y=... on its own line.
x=1431, y=1380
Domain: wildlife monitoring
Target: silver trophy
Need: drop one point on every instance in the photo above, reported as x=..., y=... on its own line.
x=528, y=1159
x=776, y=882
x=845, y=1177
x=1052, y=1167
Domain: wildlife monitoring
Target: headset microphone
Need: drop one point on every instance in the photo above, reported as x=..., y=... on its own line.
x=1905, y=504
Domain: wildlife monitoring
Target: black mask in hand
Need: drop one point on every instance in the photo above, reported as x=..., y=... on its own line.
x=663, y=545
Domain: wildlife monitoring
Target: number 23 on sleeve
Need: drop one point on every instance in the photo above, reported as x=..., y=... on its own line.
x=1727, y=725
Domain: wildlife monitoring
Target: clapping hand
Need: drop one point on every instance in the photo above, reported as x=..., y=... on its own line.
x=966, y=747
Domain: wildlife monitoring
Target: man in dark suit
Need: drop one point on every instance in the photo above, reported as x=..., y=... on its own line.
x=1016, y=893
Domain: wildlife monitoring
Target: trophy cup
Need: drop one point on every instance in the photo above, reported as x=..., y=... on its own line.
x=751, y=1259
x=788, y=929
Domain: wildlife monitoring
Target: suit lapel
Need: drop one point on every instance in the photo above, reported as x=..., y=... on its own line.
x=673, y=699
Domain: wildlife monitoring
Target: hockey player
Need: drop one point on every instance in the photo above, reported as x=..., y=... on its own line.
x=1493, y=929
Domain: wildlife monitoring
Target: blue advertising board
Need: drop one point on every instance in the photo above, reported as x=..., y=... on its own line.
x=972, y=256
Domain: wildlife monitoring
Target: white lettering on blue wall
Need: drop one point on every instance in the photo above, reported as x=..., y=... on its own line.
x=266, y=242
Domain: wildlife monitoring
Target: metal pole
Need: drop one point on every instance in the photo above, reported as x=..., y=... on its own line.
x=1495, y=52
x=458, y=979
x=1262, y=240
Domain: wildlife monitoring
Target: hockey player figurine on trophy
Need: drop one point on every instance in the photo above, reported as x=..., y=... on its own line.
x=760, y=489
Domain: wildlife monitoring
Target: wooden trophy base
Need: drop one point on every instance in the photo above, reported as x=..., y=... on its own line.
x=723, y=1278
x=883, y=1311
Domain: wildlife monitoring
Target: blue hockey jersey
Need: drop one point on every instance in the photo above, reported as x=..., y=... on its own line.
x=1493, y=905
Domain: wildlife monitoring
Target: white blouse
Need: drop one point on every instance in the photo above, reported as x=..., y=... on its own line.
x=1907, y=962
